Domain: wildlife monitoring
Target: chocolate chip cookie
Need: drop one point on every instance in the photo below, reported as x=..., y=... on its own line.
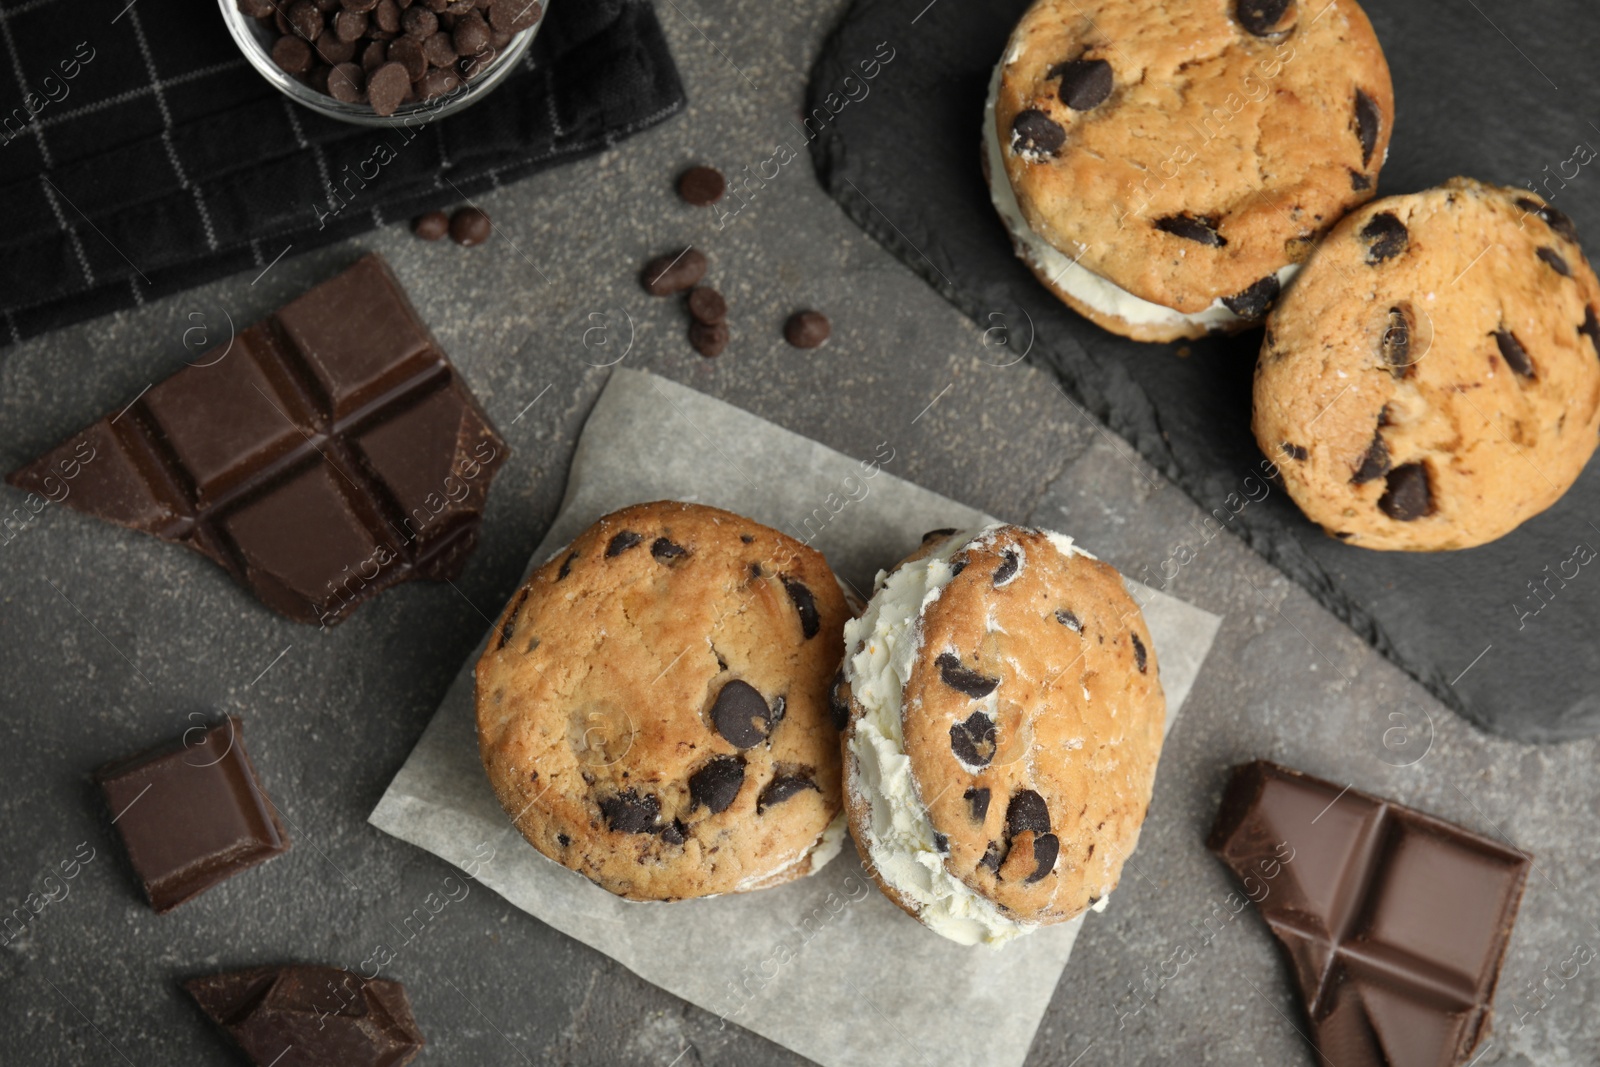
x=653, y=705
x=1003, y=717
x=1164, y=165
x=1432, y=381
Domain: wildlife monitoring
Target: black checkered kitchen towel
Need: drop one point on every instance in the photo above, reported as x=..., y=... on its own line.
x=140, y=155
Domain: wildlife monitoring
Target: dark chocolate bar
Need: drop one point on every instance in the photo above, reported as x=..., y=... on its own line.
x=192, y=813
x=300, y=1015
x=323, y=455
x=1395, y=922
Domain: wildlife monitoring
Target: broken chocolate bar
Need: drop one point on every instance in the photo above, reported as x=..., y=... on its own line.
x=191, y=813
x=1395, y=922
x=300, y=1015
x=321, y=456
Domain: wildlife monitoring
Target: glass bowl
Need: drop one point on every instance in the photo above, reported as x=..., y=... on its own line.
x=255, y=41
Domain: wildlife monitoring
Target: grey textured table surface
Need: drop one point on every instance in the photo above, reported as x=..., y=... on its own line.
x=109, y=639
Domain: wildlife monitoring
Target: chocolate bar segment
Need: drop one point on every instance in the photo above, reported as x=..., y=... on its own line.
x=321, y=456
x=191, y=813
x=301, y=1015
x=1395, y=922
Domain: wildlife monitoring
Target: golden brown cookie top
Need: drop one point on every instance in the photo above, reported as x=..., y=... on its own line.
x=1433, y=378
x=652, y=707
x=1187, y=150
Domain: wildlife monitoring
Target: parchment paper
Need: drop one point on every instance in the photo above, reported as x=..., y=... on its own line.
x=825, y=966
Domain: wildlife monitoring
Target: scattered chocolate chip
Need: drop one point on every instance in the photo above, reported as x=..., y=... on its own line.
x=566, y=567
x=710, y=340
x=387, y=87
x=781, y=788
x=1386, y=237
x=977, y=799
x=807, y=329
x=386, y=14
x=707, y=305
x=621, y=543
x=838, y=707
x=1069, y=620
x=513, y=16
x=741, y=715
x=1375, y=464
x=1558, y=221
x=1515, y=355
x=1193, y=228
x=350, y=25
x=1046, y=847
x=409, y=53
x=440, y=50
x=305, y=19
x=431, y=226
x=1359, y=182
x=991, y=857
x=1254, y=302
x=1396, y=344
x=674, y=272
x=1035, y=133
x=973, y=741
x=1591, y=328
x=418, y=23
x=1559, y=265
x=702, y=186
x=1085, y=83
x=806, y=605
x=470, y=35
x=1262, y=18
x=931, y=534
x=469, y=226
x=563, y=840
x=630, y=812
x=674, y=833
x=941, y=842
x=717, y=783
x=1369, y=123
x=666, y=551
x=1141, y=658
x=1409, y=495
x=1007, y=569
x=292, y=54
x=963, y=679
x=347, y=83
x=1027, y=811
x=1294, y=451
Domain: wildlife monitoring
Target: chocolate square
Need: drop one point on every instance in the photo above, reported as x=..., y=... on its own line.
x=191, y=813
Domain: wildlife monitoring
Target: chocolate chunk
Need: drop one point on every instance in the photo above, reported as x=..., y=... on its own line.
x=347, y=83
x=1559, y=265
x=1294, y=451
x=1027, y=811
x=1263, y=18
x=674, y=272
x=741, y=715
x=665, y=551
x=431, y=226
x=1069, y=620
x=292, y=54
x=1514, y=354
x=310, y=463
x=991, y=857
x=964, y=679
x=941, y=842
x=1386, y=237
x=838, y=707
x=325, y=1015
x=514, y=16
x=1396, y=344
x=1193, y=228
x=1359, y=182
x=674, y=833
x=1085, y=83
x=779, y=703
x=191, y=813
x=717, y=783
x=1369, y=124
x=707, y=305
x=939, y=534
x=1141, y=657
x=1046, y=847
x=1558, y=221
x=566, y=567
x=977, y=799
x=807, y=329
x=469, y=226
x=563, y=840
x=621, y=543
x=387, y=87
x=709, y=339
x=1254, y=302
x=1007, y=570
x=1409, y=495
x=806, y=605
x=958, y=564
x=781, y=788
x=1591, y=328
x=631, y=812
x=973, y=741
x=1345, y=880
x=702, y=185
x=511, y=622
x=1375, y=464
x=1035, y=133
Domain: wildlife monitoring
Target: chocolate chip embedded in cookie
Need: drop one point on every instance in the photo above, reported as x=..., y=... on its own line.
x=1164, y=167
x=654, y=705
x=1005, y=717
x=1433, y=379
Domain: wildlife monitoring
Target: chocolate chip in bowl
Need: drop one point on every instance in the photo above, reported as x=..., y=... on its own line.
x=384, y=62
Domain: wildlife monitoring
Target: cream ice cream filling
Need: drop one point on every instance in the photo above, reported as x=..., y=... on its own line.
x=1078, y=281
x=899, y=836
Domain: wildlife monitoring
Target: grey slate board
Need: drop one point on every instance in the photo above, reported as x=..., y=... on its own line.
x=907, y=170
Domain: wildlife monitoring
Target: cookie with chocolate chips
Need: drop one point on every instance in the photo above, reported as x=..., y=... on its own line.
x=1004, y=715
x=1433, y=378
x=653, y=705
x=1164, y=166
